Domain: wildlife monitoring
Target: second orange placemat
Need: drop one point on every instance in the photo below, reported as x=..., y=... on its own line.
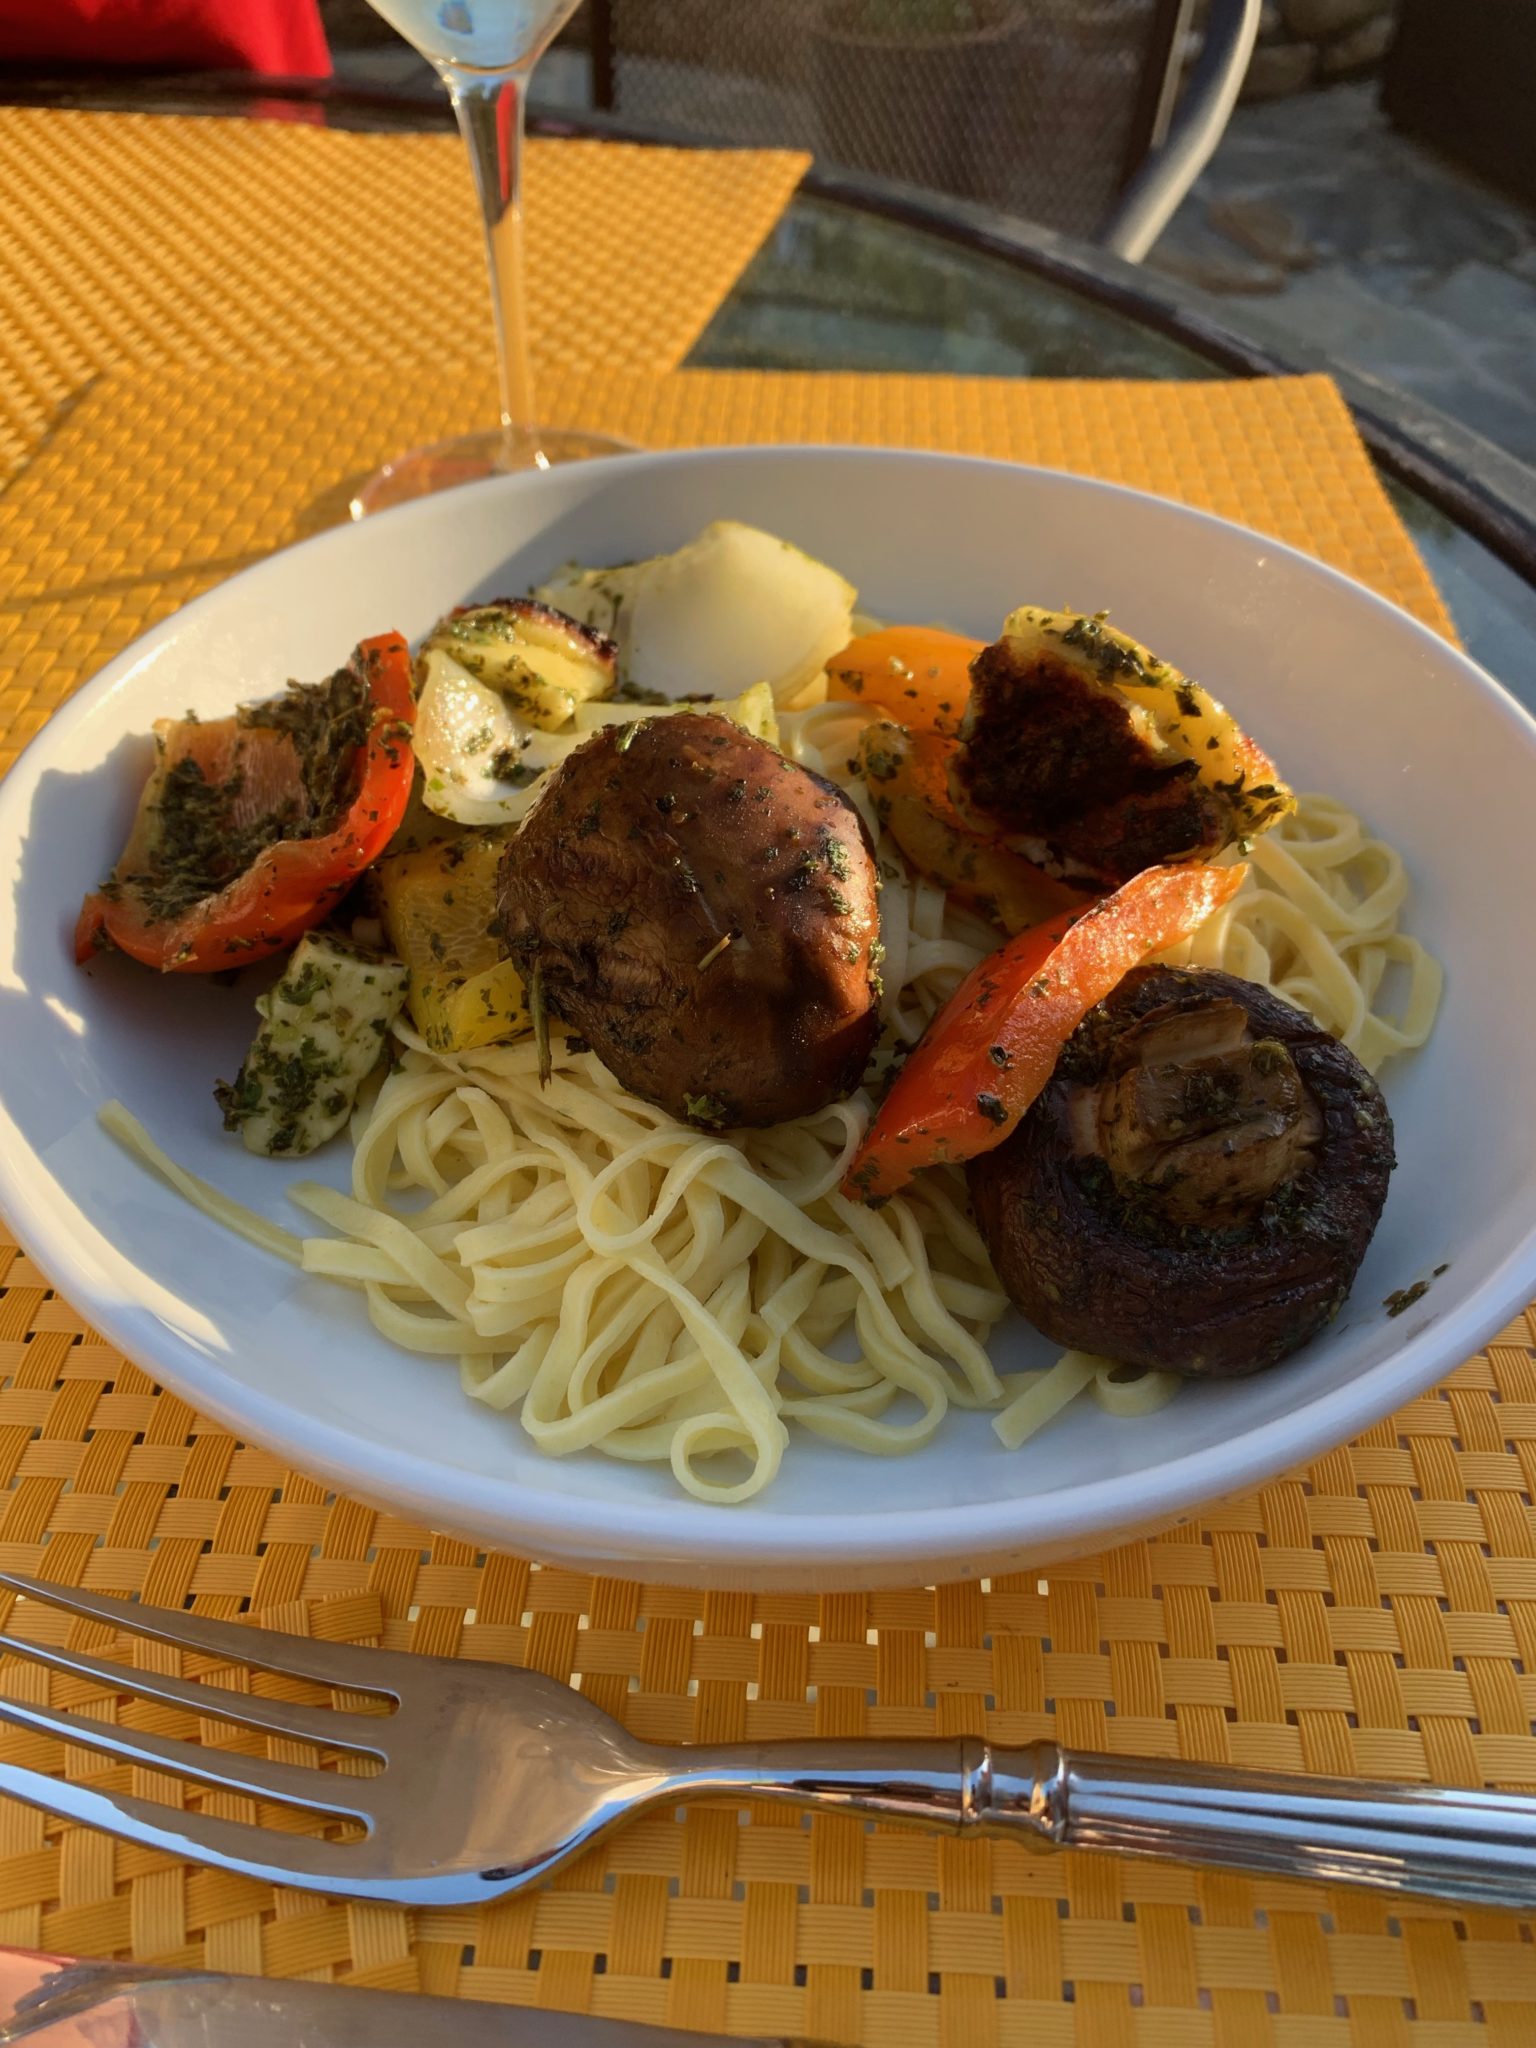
x=158, y=484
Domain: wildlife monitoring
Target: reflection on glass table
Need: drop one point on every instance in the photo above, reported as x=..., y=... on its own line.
x=837, y=289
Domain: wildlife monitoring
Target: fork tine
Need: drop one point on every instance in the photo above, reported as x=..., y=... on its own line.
x=347, y=1869
x=233, y=1642
x=230, y=1770
x=326, y=1725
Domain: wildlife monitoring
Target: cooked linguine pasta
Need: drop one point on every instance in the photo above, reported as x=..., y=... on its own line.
x=1317, y=921
x=638, y=1287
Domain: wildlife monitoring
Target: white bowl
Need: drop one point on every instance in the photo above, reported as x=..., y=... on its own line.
x=1350, y=694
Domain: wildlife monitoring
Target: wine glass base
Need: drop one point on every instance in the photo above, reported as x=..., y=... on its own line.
x=469, y=457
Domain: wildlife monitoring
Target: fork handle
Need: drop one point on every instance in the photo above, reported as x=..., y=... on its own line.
x=1444, y=1842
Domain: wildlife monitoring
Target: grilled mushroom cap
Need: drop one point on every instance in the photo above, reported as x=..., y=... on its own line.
x=1196, y=1186
x=704, y=913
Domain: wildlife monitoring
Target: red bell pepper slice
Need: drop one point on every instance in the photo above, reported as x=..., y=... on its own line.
x=994, y=1045
x=290, y=882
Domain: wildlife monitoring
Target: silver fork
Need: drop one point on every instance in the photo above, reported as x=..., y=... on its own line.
x=493, y=1777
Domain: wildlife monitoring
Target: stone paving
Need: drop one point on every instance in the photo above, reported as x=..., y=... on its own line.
x=1315, y=220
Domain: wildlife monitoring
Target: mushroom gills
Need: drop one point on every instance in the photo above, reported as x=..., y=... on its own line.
x=1199, y=1113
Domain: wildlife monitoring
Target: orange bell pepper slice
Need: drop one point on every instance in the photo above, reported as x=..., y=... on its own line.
x=290, y=882
x=918, y=675
x=994, y=1045
x=908, y=777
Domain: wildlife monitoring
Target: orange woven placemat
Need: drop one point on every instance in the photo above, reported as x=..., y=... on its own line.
x=153, y=239
x=1373, y=1615
x=132, y=510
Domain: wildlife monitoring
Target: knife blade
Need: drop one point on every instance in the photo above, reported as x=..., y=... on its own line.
x=63, y=2002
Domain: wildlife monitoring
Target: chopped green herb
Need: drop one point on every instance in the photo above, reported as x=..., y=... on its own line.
x=708, y=1110
x=1403, y=1298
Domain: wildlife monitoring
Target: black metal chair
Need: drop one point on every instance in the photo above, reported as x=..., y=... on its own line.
x=1074, y=113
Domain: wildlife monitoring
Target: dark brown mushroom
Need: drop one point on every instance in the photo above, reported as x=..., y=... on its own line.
x=704, y=913
x=1196, y=1186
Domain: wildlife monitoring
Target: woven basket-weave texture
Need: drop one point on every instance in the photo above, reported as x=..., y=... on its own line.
x=1374, y=1615
x=152, y=239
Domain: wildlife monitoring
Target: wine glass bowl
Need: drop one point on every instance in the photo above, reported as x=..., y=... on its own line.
x=485, y=51
x=478, y=35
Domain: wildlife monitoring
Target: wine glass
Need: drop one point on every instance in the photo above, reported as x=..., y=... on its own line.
x=484, y=51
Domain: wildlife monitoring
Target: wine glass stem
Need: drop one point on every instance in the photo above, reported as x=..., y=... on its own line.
x=489, y=108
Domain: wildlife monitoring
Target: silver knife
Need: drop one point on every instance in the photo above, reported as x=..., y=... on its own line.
x=60, y=2002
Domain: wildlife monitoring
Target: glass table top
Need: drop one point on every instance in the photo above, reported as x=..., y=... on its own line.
x=838, y=288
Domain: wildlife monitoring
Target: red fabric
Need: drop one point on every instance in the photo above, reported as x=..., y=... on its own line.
x=281, y=38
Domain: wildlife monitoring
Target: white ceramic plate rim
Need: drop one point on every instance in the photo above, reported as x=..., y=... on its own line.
x=744, y=1536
